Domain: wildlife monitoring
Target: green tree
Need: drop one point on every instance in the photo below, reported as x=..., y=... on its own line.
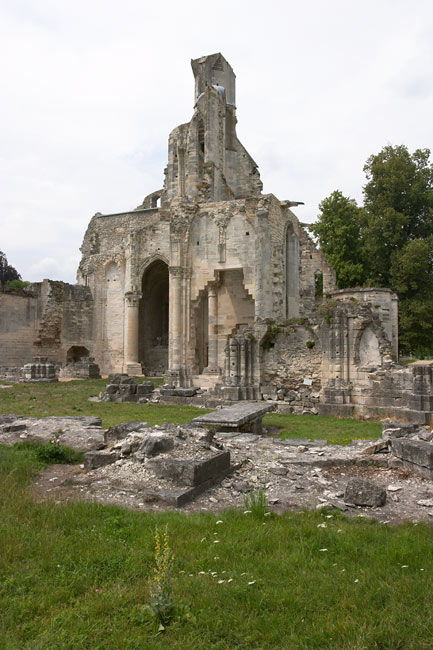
x=398, y=207
x=411, y=276
x=7, y=272
x=338, y=234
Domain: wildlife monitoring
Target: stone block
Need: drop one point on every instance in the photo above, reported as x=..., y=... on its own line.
x=364, y=493
x=95, y=459
x=115, y=379
x=178, y=392
x=416, y=452
x=380, y=446
x=127, y=389
x=111, y=389
x=145, y=388
x=188, y=472
x=156, y=444
x=119, y=431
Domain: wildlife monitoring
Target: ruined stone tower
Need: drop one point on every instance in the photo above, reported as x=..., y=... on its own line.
x=214, y=284
x=180, y=278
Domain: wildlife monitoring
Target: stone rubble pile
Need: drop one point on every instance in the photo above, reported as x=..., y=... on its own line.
x=138, y=466
x=170, y=464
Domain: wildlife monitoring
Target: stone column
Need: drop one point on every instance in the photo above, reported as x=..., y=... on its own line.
x=176, y=317
x=132, y=300
x=212, y=299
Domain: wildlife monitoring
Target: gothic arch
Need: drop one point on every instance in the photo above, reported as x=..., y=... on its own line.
x=148, y=261
x=384, y=345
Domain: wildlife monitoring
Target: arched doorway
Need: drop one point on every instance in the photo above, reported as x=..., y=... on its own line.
x=153, y=314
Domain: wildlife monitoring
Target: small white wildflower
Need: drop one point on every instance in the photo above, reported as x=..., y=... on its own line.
x=202, y=573
x=213, y=573
x=322, y=526
x=421, y=569
x=181, y=571
x=268, y=514
x=339, y=530
x=404, y=566
x=203, y=539
x=356, y=580
x=247, y=512
x=191, y=575
x=220, y=521
x=329, y=516
x=231, y=579
x=220, y=582
x=252, y=582
x=216, y=541
x=216, y=557
x=343, y=570
x=243, y=574
x=322, y=550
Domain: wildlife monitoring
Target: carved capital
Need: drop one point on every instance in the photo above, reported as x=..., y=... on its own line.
x=177, y=271
x=132, y=298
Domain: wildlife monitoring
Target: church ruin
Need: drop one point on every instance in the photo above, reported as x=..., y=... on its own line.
x=212, y=283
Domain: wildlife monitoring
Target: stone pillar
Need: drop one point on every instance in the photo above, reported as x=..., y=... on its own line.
x=132, y=300
x=243, y=363
x=176, y=318
x=212, y=360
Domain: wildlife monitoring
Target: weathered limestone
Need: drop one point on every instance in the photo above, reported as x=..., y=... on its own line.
x=216, y=285
x=123, y=388
x=415, y=454
x=361, y=492
x=40, y=370
x=240, y=417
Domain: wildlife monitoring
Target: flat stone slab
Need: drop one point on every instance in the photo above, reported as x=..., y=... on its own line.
x=234, y=417
x=178, y=392
x=305, y=442
x=82, y=433
x=417, y=452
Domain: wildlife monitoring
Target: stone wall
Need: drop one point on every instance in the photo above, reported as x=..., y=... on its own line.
x=295, y=357
x=19, y=312
x=45, y=320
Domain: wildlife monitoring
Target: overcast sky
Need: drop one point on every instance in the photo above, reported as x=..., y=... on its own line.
x=91, y=89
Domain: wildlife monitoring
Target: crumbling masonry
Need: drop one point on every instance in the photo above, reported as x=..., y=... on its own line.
x=215, y=284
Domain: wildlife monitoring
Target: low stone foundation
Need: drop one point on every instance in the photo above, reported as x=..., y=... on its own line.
x=122, y=388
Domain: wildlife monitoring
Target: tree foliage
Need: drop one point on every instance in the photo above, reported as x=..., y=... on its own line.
x=338, y=235
x=398, y=201
x=7, y=272
x=389, y=241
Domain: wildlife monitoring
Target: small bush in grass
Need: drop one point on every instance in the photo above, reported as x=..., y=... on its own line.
x=161, y=588
x=256, y=503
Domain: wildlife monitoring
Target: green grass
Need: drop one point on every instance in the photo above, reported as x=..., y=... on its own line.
x=75, y=576
x=337, y=431
x=71, y=398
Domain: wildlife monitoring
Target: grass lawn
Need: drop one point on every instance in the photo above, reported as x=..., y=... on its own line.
x=71, y=398
x=337, y=431
x=75, y=576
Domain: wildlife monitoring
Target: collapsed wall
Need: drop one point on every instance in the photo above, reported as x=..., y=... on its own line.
x=48, y=319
